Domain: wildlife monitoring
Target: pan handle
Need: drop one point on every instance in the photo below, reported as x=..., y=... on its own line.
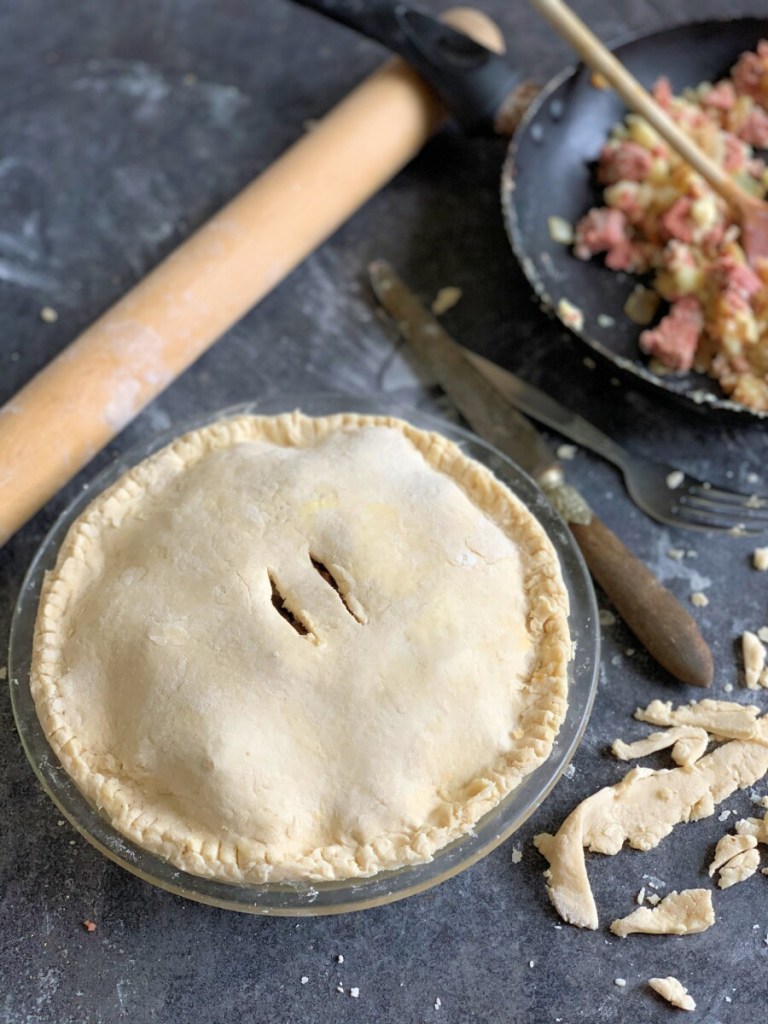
x=484, y=93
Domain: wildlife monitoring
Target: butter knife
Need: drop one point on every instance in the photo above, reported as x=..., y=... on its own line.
x=653, y=614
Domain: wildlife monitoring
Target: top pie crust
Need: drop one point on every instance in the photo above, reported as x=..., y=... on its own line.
x=416, y=673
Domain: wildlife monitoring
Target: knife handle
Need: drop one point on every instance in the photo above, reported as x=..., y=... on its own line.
x=654, y=615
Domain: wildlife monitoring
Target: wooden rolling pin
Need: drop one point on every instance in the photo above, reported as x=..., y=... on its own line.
x=104, y=378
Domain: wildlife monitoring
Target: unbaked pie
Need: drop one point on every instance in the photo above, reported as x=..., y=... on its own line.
x=286, y=648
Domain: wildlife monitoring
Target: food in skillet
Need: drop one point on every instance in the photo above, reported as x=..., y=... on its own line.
x=661, y=219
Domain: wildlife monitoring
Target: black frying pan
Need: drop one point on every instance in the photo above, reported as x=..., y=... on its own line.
x=548, y=170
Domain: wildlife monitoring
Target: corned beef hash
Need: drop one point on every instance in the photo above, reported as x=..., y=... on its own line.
x=660, y=218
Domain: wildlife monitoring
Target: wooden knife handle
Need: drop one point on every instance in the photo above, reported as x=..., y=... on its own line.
x=654, y=615
x=105, y=377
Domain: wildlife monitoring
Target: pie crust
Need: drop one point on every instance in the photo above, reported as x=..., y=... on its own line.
x=286, y=648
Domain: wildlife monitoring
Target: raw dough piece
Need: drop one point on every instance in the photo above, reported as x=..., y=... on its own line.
x=646, y=805
x=679, y=913
x=728, y=847
x=739, y=868
x=673, y=991
x=754, y=660
x=757, y=827
x=688, y=744
x=723, y=719
x=286, y=648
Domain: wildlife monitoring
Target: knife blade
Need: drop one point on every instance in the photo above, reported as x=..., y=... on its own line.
x=653, y=614
x=479, y=402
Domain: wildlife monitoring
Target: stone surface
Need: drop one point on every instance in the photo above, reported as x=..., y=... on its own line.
x=110, y=154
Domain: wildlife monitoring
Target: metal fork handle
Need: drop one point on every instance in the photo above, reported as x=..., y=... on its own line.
x=547, y=410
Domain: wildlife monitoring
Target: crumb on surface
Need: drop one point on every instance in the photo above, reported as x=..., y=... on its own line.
x=677, y=553
x=517, y=855
x=304, y=979
x=89, y=925
x=446, y=299
x=48, y=315
x=560, y=230
x=754, y=655
x=760, y=559
x=438, y=1002
x=606, y=617
x=566, y=452
x=589, y=362
x=570, y=314
x=699, y=600
x=640, y=898
x=354, y=992
x=621, y=982
x=674, y=479
x=654, y=882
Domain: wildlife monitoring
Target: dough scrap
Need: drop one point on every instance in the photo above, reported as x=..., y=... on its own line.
x=673, y=991
x=739, y=868
x=679, y=913
x=754, y=660
x=645, y=805
x=729, y=847
x=724, y=719
x=757, y=827
x=688, y=744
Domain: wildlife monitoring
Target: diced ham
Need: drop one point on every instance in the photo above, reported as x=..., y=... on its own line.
x=601, y=230
x=662, y=92
x=754, y=130
x=677, y=221
x=624, y=161
x=720, y=97
x=675, y=339
x=626, y=256
x=734, y=157
x=750, y=74
x=736, y=278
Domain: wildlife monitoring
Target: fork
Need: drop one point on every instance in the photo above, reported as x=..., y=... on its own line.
x=661, y=490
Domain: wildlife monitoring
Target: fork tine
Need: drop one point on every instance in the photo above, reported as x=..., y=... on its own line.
x=704, y=518
x=734, y=512
x=730, y=497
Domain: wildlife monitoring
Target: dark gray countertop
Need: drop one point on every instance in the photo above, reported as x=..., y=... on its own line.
x=109, y=155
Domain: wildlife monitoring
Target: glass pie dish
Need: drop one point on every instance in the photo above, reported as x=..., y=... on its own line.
x=319, y=897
